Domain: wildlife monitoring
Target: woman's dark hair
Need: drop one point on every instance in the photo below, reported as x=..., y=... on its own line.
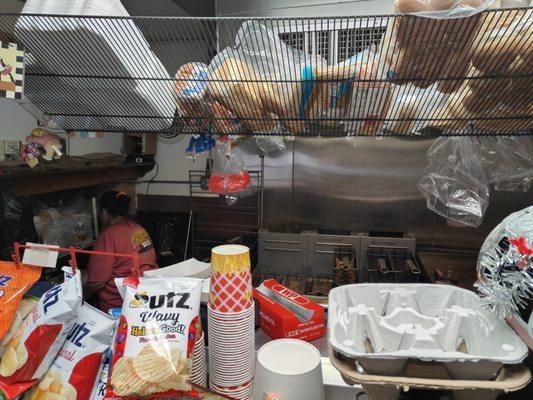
x=117, y=204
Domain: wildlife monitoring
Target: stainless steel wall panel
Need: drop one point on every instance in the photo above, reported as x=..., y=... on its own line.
x=363, y=185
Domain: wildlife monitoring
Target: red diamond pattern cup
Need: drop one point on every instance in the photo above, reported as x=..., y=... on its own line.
x=231, y=324
x=231, y=292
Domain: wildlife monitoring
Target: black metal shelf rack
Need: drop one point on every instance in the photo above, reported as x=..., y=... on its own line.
x=339, y=76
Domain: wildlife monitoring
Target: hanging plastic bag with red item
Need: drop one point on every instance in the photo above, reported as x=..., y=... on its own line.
x=229, y=174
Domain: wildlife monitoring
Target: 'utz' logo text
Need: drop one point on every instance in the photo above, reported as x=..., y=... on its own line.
x=78, y=333
x=51, y=297
x=169, y=300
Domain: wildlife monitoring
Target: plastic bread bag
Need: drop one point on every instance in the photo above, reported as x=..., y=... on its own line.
x=370, y=97
x=31, y=351
x=224, y=121
x=413, y=109
x=190, y=85
x=74, y=372
x=229, y=175
x=297, y=86
x=15, y=280
x=433, y=42
x=502, y=38
x=155, y=338
x=441, y=9
x=235, y=84
x=454, y=184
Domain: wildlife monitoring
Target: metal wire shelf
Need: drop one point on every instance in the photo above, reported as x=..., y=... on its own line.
x=382, y=75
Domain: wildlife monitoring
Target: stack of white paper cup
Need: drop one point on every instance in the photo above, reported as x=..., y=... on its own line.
x=231, y=323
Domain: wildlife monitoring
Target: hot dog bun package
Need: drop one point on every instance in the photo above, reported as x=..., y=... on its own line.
x=15, y=280
x=32, y=349
x=297, y=86
x=434, y=40
x=155, y=337
x=189, y=91
x=75, y=371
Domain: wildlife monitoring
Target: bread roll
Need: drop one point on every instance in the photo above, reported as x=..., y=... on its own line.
x=241, y=92
x=430, y=49
x=517, y=95
x=472, y=3
x=487, y=87
x=409, y=6
x=479, y=105
x=283, y=100
x=440, y=5
x=224, y=121
x=455, y=104
x=500, y=41
x=521, y=66
x=458, y=69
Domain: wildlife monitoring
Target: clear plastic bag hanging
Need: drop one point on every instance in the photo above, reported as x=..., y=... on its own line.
x=229, y=175
x=454, y=184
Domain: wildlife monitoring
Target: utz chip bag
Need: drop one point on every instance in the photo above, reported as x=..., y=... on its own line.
x=155, y=337
x=32, y=349
x=99, y=390
x=15, y=280
x=74, y=372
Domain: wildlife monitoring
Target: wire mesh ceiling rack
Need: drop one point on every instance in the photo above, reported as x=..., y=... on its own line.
x=338, y=76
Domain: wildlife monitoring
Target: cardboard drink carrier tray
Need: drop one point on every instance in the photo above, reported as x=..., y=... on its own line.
x=430, y=376
x=388, y=337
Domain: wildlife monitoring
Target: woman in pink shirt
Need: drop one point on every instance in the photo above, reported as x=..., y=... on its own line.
x=120, y=235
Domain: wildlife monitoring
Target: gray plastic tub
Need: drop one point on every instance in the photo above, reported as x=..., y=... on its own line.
x=382, y=326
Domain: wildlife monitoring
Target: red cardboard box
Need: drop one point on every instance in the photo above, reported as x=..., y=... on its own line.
x=285, y=314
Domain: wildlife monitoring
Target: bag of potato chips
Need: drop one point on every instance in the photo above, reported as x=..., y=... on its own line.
x=155, y=338
x=100, y=388
x=15, y=280
x=33, y=348
x=74, y=372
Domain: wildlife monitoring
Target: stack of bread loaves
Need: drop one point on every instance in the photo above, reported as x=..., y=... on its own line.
x=432, y=43
x=273, y=88
x=501, y=60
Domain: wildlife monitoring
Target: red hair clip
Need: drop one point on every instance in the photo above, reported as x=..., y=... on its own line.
x=119, y=194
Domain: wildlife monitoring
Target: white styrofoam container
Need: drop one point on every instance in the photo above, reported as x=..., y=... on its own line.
x=110, y=47
x=382, y=326
x=191, y=268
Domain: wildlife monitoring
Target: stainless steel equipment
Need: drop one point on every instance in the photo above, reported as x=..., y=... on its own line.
x=363, y=185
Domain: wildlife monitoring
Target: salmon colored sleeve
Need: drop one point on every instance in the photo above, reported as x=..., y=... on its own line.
x=100, y=268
